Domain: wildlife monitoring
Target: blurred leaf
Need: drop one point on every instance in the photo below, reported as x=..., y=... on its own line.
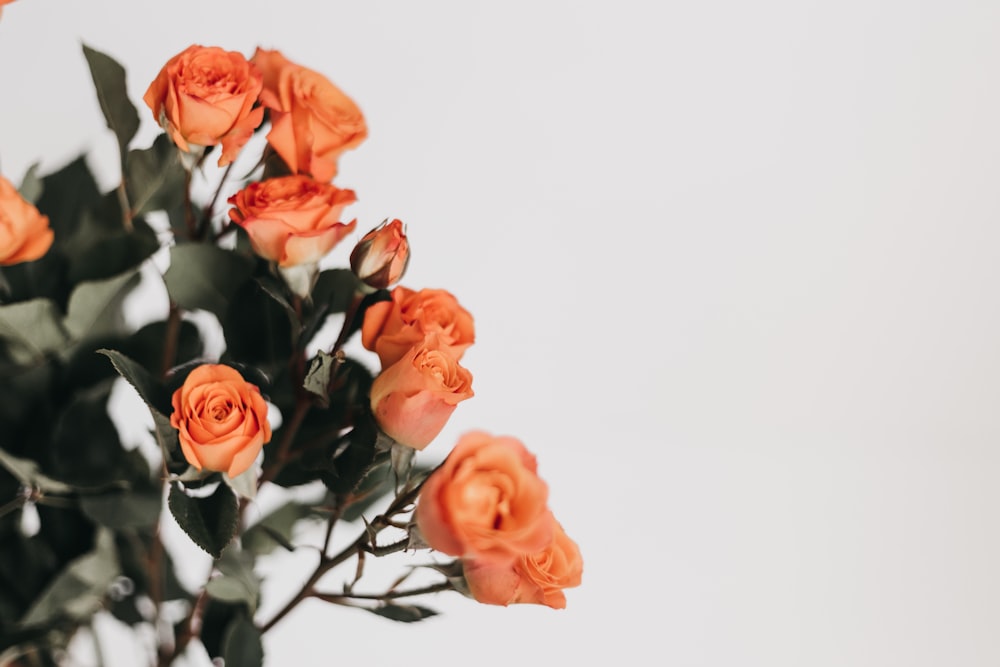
x=275, y=529
x=335, y=289
x=78, y=590
x=66, y=195
x=95, y=306
x=242, y=645
x=31, y=184
x=102, y=461
x=210, y=522
x=123, y=510
x=102, y=248
x=402, y=460
x=237, y=583
x=28, y=474
x=155, y=177
x=257, y=330
x=112, y=93
x=403, y=613
x=205, y=277
x=33, y=329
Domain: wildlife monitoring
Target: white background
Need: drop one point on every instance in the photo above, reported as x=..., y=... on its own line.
x=734, y=269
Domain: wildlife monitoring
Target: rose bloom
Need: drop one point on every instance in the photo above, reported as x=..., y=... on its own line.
x=391, y=328
x=312, y=121
x=486, y=502
x=24, y=232
x=293, y=219
x=205, y=96
x=413, y=399
x=380, y=258
x=537, y=578
x=221, y=419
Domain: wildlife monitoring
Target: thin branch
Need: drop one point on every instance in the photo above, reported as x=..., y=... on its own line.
x=388, y=595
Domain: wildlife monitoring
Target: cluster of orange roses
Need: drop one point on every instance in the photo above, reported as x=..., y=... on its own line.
x=485, y=504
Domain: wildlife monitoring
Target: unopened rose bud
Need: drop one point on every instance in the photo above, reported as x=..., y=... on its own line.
x=380, y=258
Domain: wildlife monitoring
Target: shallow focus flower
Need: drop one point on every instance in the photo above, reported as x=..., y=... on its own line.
x=537, y=578
x=293, y=219
x=380, y=257
x=221, y=419
x=24, y=232
x=413, y=399
x=486, y=502
x=312, y=121
x=205, y=96
x=391, y=328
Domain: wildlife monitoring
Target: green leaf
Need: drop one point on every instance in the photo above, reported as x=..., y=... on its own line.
x=123, y=510
x=31, y=185
x=112, y=93
x=26, y=472
x=318, y=378
x=241, y=645
x=403, y=613
x=33, y=329
x=205, y=277
x=275, y=529
x=79, y=589
x=335, y=289
x=237, y=583
x=155, y=177
x=210, y=522
x=94, y=308
x=153, y=394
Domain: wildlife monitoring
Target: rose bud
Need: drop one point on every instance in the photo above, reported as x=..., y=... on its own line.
x=312, y=121
x=537, y=578
x=380, y=258
x=24, y=232
x=391, y=328
x=221, y=420
x=413, y=399
x=486, y=502
x=205, y=96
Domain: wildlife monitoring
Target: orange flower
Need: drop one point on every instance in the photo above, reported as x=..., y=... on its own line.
x=413, y=399
x=204, y=96
x=486, y=502
x=391, y=328
x=221, y=419
x=531, y=579
x=312, y=121
x=292, y=220
x=24, y=232
x=380, y=258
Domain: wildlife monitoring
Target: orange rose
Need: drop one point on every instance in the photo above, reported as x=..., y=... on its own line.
x=221, y=419
x=380, y=258
x=531, y=579
x=413, y=399
x=24, y=232
x=312, y=121
x=205, y=96
x=486, y=502
x=292, y=220
x=391, y=328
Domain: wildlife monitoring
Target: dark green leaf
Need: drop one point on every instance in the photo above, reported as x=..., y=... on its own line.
x=76, y=593
x=335, y=289
x=66, y=195
x=210, y=522
x=122, y=510
x=155, y=177
x=318, y=378
x=205, y=277
x=275, y=529
x=31, y=185
x=94, y=308
x=112, y=93
x=403, y=613
x=237, y=583
x=151, y=391
x=242, y=645
x=33, y=329
x=257, y=329
x=27, y=473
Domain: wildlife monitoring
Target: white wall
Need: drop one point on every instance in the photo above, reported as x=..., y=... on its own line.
x=735, y=270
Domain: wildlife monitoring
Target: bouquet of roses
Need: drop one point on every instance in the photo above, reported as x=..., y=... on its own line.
x=81, y=513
